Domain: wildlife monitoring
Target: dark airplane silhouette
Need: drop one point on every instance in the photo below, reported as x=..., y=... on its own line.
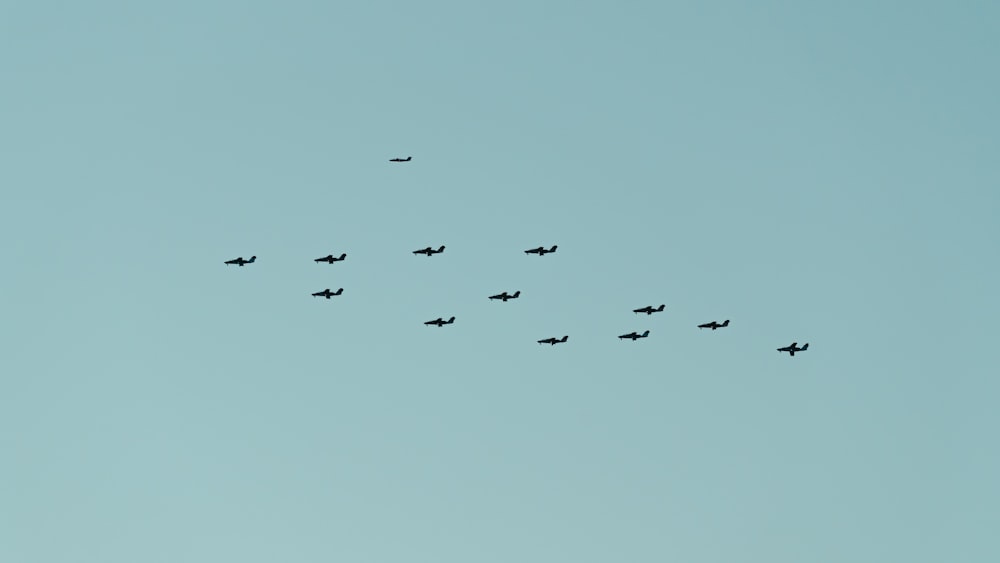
x=327, y=293
x=714, y=325
x=553, y=341
x=504, y=296
x=541, y=250
x=440, y=322
x=428, y=251
x=649, y=310
x=329, y=259
x=634, y=336
x=792, y=349
x=407, y=159
x=240, y=261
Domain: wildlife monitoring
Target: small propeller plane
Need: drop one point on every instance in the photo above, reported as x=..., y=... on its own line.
x=634, y=336
x=505, y=296
x=428, y=251
x=240, y=261
x=330, y=259
x=541, y=250
x=407, y=159
x=793, y=349
x=440, y=322
x=649, y=310
x=714, y=325
x=553, y=341
x=327, y=293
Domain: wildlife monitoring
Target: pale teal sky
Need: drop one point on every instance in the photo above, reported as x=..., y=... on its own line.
x=824, y=173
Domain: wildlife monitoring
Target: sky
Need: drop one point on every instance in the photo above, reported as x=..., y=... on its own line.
x=814, y=172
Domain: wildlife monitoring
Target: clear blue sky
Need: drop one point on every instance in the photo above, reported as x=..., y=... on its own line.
x=816, y=173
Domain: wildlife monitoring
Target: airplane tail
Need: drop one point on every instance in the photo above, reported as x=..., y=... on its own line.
x=554, y=247
x=804, y=347
x=517, y=294
x=645, y=334
x=441, y=249
x=451, y=320
x=662, y=307
x=339, y=291
x=564, y=339
x=252, y=260
x=342, y=256
x=726, y=323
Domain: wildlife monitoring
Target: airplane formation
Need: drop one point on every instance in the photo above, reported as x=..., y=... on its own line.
x=504, y=296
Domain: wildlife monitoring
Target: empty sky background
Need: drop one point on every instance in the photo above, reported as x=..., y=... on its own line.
x=815, y=172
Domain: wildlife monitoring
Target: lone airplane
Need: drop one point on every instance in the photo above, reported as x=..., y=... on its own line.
x=329, y=259
x=240, y=261
x=504, y=296
x=440, y=322
x=541, y=250
x=649, y=310
x=714, y=325
x=792, y=349
x=553, y=341
x=407, y=159
x=327, y=293
x=428, y=251
x=634, y=336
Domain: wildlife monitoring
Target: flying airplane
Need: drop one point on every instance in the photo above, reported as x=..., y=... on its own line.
x=714, y=325
x=541, y=250
x=407, y=159
x=329, y=258
x=504, y=296
x=792, y=349
x=440, y=322
x=634, y=336
x=428, y=251
x=553, y=341
x=240, y=261
x=649, y=310
x=327, y=293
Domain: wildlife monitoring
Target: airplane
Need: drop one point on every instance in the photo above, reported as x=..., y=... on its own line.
x=329, y=259
x=428, y=251
x=792, y=349
x=553, y=341
x=407, y=159
x=504, y=296
x=327, y=293
x=440, y=322
x=240, y=261
x=634, y=336
x=541, y=250
x=649, y=310
x=714, y=325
